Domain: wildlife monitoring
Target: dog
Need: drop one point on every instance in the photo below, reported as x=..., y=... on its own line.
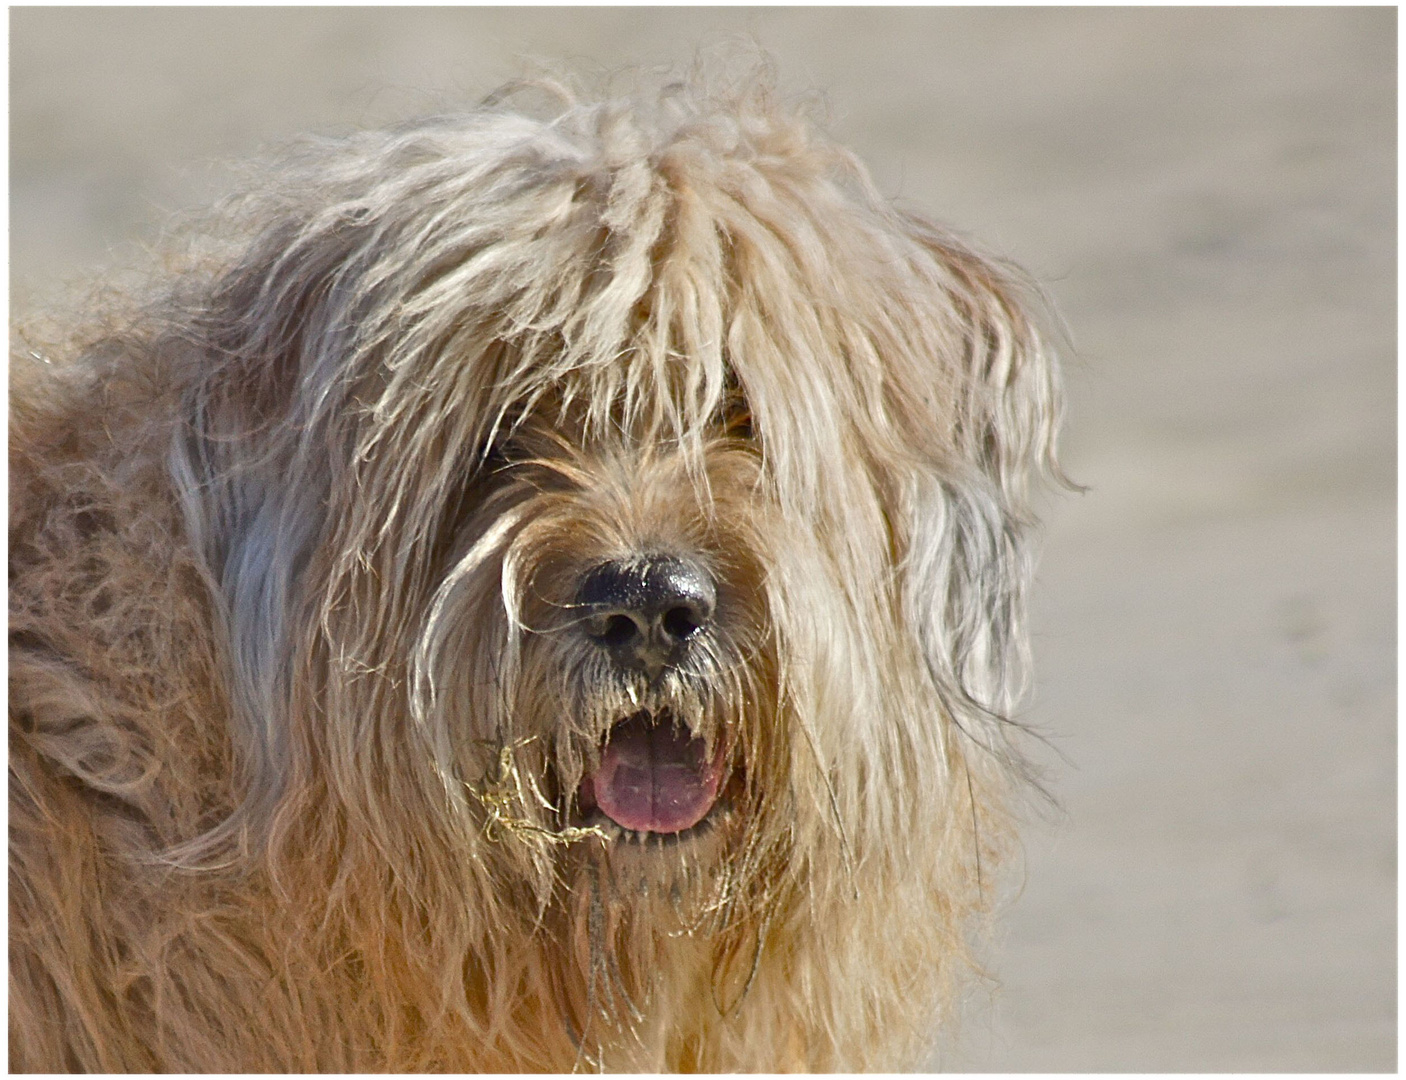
x=539, y=588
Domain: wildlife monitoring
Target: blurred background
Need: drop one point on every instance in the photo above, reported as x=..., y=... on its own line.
x=1209, y=197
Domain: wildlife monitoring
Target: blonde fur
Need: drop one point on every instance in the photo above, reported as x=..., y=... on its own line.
x=297, y=703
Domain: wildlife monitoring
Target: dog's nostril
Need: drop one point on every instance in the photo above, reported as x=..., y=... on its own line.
x=682, y=622
x=618, y=630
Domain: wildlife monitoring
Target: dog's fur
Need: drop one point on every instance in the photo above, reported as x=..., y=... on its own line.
x=301, y=707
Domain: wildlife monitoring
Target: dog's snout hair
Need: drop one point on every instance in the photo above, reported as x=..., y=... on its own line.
x=533, y=590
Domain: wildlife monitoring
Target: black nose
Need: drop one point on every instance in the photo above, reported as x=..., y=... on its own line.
x=646, y=612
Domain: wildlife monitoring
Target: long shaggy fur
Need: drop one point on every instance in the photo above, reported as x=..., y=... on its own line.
x=299, y=702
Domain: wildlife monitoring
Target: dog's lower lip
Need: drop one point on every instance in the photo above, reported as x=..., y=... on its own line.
x=615, y=831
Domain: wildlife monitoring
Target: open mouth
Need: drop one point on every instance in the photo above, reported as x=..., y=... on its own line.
x=654, y=776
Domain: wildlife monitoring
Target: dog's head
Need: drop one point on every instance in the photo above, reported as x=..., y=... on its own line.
x=632, y=493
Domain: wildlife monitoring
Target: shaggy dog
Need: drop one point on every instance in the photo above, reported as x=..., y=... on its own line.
x=525, y=594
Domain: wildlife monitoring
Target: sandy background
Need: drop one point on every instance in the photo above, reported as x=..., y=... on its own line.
x=1209, y=196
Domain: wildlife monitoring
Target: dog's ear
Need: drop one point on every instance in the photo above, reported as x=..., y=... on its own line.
x=254, y=465
x=1008, y=403
x=970, y=554
x=325, y=444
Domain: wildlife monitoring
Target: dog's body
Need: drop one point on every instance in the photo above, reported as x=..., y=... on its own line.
x=544, y=595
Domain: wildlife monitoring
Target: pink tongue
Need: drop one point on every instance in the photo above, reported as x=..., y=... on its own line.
x=653, y=779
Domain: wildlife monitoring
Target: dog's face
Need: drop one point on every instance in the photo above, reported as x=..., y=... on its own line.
x=602, y=617
x=635, y=513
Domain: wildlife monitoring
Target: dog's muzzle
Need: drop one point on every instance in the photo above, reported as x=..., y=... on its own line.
x=648, y=614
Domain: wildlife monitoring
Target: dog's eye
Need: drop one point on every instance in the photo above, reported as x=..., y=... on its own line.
x=736, y=411
x=737, y=419
x=498, y=455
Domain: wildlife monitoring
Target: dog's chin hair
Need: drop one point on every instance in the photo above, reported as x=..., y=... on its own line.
x=301, y=698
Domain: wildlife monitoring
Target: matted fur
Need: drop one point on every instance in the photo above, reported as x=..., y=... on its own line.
x=298, y=701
